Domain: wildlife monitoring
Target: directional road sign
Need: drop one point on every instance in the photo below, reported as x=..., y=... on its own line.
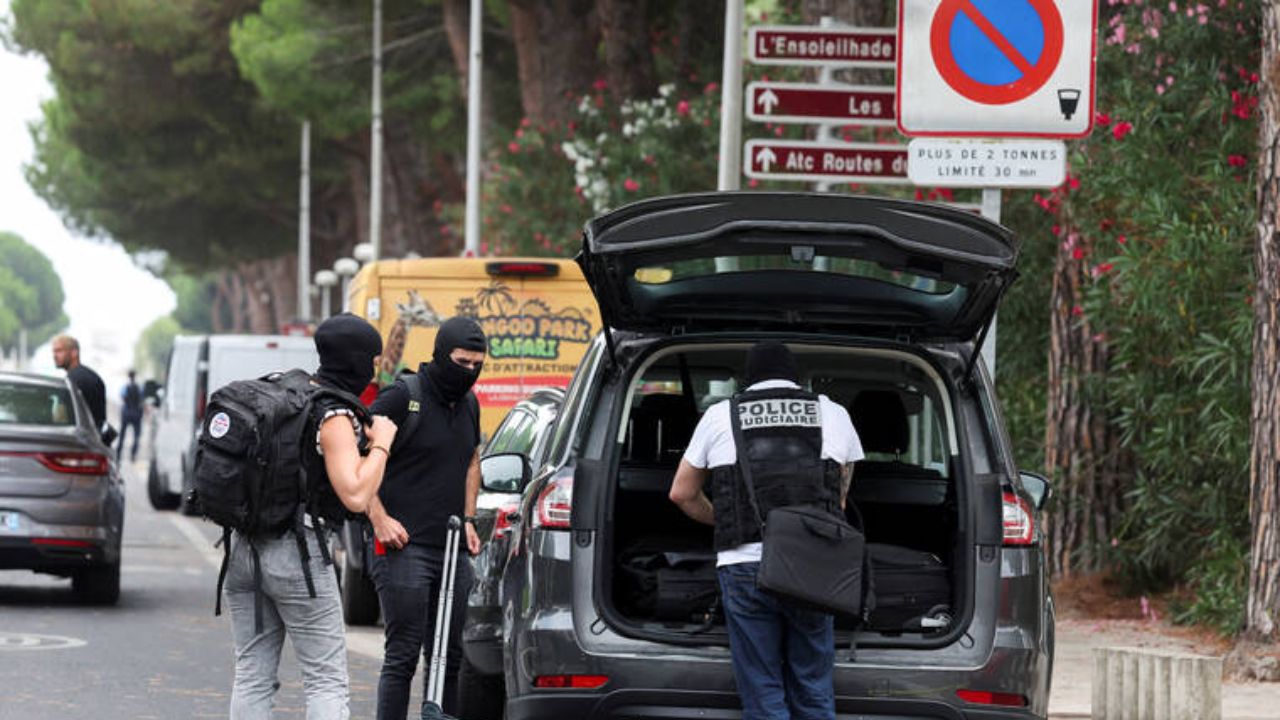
x=810, y=45
x=994, y=68
x=974, y=162
x=810, y=161
x=781, y=102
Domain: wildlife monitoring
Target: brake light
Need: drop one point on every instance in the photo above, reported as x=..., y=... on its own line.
x=589, y=682
x=982, y=697
x=75, y=463
x=502, y=520
x=555, y=504
x=62, y=542
x=1019, y=523
x=536, y=269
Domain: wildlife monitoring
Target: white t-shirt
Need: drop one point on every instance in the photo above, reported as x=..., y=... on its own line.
x=712, y=446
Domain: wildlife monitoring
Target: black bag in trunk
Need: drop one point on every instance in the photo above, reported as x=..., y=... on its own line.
x=913, y=589
x=668, y=584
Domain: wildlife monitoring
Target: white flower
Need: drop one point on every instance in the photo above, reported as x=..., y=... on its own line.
x=666, y=90
x=628, y=130
x=569, y=151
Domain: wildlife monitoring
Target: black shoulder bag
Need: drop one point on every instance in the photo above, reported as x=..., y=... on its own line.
x=812, y=557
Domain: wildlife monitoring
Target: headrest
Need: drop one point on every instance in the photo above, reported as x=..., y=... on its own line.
x=881, y=421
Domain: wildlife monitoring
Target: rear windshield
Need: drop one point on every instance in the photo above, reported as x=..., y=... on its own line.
x=35, y=405
x=699, y=267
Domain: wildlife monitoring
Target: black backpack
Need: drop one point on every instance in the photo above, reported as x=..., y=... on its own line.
x=132, y=397
x=253, y=472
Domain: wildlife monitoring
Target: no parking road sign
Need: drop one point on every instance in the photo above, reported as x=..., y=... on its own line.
x=1022, y=68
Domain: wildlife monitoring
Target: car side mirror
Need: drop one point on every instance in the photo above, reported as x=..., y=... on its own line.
x=1037, y=486
x=505, y=472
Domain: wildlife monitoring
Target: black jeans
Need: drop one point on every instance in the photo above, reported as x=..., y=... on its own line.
x=129, y=420
x=408, y=583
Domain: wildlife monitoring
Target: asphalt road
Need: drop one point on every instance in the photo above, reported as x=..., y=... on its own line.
x=159, y=653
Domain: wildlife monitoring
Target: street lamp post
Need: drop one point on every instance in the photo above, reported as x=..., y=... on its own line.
x=325, y=279
x=364, y=253
x=346, y=268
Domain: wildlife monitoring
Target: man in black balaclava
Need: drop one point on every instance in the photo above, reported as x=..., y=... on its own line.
x=347, y=346
x=434, y=472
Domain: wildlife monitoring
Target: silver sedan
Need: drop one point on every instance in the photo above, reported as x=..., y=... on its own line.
x=61, y=493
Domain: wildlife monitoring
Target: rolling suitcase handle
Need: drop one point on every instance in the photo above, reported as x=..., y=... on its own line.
x=432, y=708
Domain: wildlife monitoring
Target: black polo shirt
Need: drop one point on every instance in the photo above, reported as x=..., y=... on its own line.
x=93, y=390
x=426, y=477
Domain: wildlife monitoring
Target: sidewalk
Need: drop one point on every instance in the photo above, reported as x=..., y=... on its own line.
x=1073, y=667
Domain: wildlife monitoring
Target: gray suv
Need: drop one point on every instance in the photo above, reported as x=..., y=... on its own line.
x=608, y=601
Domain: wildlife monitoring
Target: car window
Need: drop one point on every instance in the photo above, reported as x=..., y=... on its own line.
x=570, y=414
x=22, y=404
x=502, y=437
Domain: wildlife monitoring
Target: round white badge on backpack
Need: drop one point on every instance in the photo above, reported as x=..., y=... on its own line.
x=219, y=425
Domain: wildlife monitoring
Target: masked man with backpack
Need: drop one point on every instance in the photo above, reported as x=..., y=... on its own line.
x=281, y=459
x=799, y=451
x=434, y=472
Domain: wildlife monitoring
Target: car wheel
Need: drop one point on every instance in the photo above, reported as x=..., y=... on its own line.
x=480, y=696
x=97, y=585
x=359, y=597
x=161, y=498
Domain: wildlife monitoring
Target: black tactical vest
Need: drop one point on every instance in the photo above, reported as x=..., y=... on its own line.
x=782, y=430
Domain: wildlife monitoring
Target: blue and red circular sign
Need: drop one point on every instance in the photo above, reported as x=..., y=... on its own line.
x=996, y=52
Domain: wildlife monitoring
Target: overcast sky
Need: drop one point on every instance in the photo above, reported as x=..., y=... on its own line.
x=109, y=299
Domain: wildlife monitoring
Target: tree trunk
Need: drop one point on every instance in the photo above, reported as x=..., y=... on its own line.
x=628, y=54
x=1083, y=455
x=1262, y=610
x=555, y=53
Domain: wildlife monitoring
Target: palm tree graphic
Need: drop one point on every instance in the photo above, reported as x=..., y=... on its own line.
x=496, y=299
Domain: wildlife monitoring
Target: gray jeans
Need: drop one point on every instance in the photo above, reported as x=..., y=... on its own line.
x=314, y=625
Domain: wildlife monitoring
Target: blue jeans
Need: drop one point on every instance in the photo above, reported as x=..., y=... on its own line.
x=783, y=657
x=408, y=583
x=314, y=626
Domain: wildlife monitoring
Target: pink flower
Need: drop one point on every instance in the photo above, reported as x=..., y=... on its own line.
x=1237, y=160
x=1122, y=239
x=1121, y=129
x=599, y=84
x=1077, y=253
x=1102, y=119
x=682, y=108
x=513, y=146
x=1073, y=182
x=1077, y=311
x=631, y=185
x=752, y=182
x=711, y=87
x=1102, y=269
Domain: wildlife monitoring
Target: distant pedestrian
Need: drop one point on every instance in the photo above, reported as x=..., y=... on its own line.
x=66, y=355
x=130, y=416
x=434, y=472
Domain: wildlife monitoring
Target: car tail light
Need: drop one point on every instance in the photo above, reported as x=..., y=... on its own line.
x=201, y=403
x=525, y=269
x=502, y=520
x=982, y=697
x=1019, y=523
x=75, y=463
x=62, y=542
x=555, y=504
x=588, y=682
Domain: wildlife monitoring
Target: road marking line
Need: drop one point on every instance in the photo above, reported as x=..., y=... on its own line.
x=201, y=543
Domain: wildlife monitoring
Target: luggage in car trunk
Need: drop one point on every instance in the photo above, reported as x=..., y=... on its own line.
x=667, y=584
x=912, y=589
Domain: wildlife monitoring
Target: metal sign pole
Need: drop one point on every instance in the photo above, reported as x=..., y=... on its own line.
x=471, y=231
x=731, y=99
x=304, y=227
x=375, y=149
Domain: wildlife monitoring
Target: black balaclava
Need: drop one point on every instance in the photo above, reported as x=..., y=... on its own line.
x=450, y=379
x=770, y=360
x=347, y=346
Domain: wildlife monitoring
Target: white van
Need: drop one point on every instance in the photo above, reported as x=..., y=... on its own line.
x=198, y=365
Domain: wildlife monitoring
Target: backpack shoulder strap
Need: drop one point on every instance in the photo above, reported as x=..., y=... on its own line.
x=413, y=383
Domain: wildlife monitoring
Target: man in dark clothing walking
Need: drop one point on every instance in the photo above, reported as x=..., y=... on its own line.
x=130, y=416
x=66, y=355
x=434, y=472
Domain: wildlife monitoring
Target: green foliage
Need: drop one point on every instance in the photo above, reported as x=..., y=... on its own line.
x=151, y=352
x=30, y=294
x=548, y=180
x=195, y=299
x=1161, y=211
x=153, y=138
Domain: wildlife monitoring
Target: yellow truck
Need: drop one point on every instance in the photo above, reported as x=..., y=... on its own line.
x=537, y=313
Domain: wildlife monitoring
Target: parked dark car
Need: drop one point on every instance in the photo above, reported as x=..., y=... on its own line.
x=61, y=494
x=885, y=304
x=524, y=433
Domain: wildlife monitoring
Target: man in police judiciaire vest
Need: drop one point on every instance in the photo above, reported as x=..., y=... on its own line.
x=802, y=448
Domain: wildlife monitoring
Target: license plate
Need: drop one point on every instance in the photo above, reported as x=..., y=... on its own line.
x=9, y=520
